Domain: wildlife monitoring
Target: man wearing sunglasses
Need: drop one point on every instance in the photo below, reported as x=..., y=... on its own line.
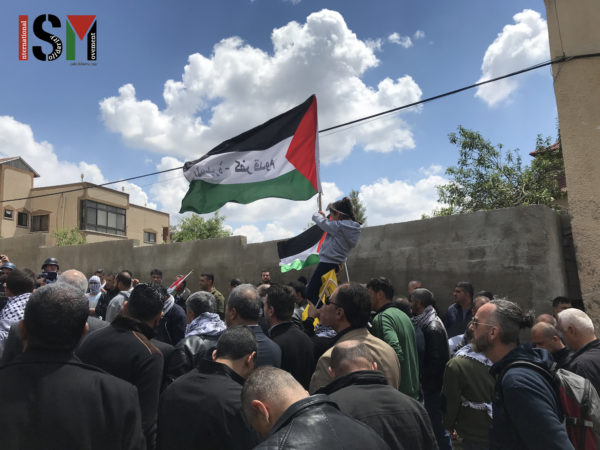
x=526, y=409
x=347, y=311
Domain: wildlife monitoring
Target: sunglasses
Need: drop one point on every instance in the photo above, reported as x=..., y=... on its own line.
x=328, y=301
x=475, y=323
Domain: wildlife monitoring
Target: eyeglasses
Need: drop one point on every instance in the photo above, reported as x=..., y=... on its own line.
x=475, y=323
x=327, y=301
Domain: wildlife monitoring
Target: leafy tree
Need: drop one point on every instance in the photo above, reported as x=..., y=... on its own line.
x=487, y=177
x=65, y=237
x=196, y=227
x=360, y=211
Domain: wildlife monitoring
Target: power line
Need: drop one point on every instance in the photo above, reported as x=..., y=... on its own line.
x=362, y=119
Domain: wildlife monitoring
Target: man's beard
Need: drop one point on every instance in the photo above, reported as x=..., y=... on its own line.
x=480, y=344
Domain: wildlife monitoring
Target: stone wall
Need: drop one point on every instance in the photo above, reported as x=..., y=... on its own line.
x=513, y=252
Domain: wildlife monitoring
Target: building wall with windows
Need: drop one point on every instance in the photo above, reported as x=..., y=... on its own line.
x=100, y=213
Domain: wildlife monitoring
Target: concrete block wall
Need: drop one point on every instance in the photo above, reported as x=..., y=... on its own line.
x=513, y=252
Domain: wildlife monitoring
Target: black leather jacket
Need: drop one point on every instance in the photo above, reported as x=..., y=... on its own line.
x=196, y=347
x=436, y=356
x=316, y=422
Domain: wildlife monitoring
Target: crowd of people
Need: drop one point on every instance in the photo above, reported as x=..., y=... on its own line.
x=111, y=362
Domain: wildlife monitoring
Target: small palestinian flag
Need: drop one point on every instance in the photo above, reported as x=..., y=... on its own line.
x=279, y=158
x=301, y=251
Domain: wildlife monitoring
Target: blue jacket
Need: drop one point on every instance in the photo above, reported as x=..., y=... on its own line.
x=527, y=412
x=342, y=236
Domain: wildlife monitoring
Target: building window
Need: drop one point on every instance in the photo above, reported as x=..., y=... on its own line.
x=22, y=219
x=103, y=218
x=9, y=214
x=40, y=223
x=149, y=237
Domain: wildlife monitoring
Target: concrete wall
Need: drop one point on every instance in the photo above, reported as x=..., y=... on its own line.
x=514, y=252
x=573, y=30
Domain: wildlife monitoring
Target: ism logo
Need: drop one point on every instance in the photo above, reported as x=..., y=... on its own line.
x=80, y=26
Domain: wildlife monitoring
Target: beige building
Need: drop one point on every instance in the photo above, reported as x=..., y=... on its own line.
x=100, y=213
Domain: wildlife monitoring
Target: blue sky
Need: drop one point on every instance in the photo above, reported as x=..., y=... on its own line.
x=173, y=80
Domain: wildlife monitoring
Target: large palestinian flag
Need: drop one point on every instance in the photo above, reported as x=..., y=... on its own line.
x=301, y=251
x=279, y=158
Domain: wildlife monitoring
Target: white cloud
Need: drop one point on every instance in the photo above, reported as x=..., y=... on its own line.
x=419, y=34
x=404, y=41
x=239, y=86
x=519, y=45
x=17, y=139
x=399, y=201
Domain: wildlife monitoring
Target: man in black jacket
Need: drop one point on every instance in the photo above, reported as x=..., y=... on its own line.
x=362, y=392
x=49, y=398
x=202, y=409
x=279, y=408
x=203, y=329
x=578, y=332
x=296, y=347
x=243, y=308
x=436, y=356
x=123, y=350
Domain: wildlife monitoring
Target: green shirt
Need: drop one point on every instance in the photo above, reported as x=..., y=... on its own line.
x=395, y=328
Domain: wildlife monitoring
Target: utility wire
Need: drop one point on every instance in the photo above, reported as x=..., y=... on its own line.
x=362, y=119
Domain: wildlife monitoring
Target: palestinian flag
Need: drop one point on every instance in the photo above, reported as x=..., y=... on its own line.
x=279, y=158
x=301, y=251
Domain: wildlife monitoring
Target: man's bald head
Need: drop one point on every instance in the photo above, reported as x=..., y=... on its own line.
x=547, y=318
x=74, y=278
x=546, y=336
x=350, y=356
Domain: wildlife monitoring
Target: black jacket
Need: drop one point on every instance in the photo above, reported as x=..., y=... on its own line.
x=103, y=302
x=297, y=355
x=586, y=362
x=436, y=356
x=14, y=346
x=195, y=348
x=315, y=422
x=51, y=400
x=268, y=352
x=400, y=420
x=203, y=409
x=124, y=351
x=171, y=328
x=174, y=362
x=527, y=413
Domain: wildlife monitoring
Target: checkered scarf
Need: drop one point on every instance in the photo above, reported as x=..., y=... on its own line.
x=15, y=308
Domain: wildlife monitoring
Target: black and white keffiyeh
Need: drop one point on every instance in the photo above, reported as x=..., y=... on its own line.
x=12, y=312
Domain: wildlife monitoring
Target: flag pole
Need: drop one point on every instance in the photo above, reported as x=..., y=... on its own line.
x=347, y=276
x=319, y=202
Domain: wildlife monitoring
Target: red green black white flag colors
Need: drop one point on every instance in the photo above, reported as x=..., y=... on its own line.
x=301, y=251
x=279, y=158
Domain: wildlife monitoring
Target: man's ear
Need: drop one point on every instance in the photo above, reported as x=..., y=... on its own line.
x=86, y=330
x=374, y=365
x=331, y=372
x=262, y=410
x=214, y=355
x=249, y=361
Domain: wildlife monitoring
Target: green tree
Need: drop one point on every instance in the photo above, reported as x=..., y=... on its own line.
x=488, y=177
x=196, y=227
x=65, y=237
x=360, y=211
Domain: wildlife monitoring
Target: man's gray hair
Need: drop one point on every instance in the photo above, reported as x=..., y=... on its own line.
x=246, y=301
x=510, y=319
x=74, y=278
x=266, y=383
x=577, y=319
x=200, y=302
